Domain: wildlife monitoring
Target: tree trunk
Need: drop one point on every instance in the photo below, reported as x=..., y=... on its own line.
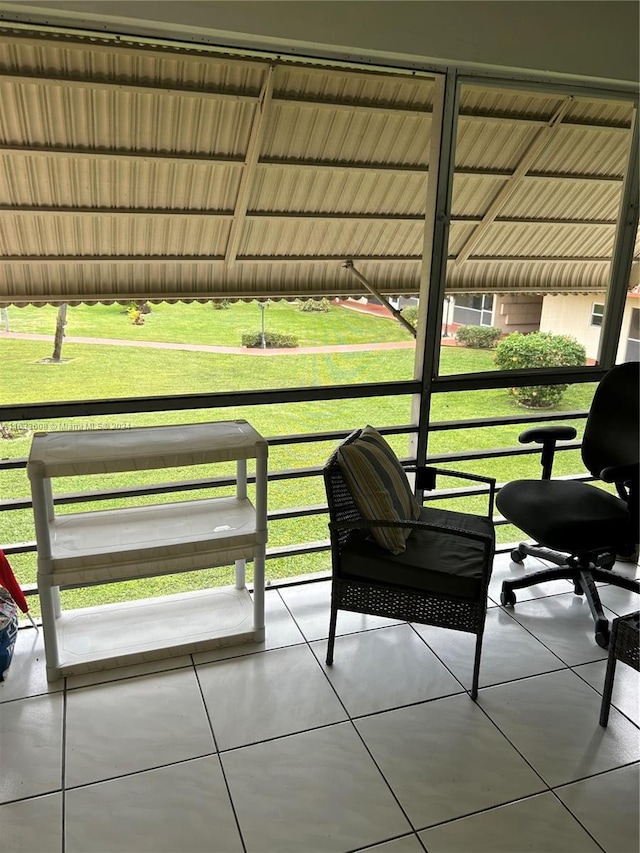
x=61, y=322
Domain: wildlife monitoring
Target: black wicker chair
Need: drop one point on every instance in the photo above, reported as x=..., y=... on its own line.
x=624, y=646
x=442, y=577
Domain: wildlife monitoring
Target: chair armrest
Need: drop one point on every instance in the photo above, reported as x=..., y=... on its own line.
x=426, y=479
x=547, y=437
x=544, y=434
x=447, y=529
x=620, y=473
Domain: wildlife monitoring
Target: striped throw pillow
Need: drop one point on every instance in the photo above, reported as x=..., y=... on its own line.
x=379, y=486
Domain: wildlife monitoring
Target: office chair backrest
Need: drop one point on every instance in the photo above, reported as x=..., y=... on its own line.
x=612, y=435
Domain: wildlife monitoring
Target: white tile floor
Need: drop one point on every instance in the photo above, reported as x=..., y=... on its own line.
x=266, y=750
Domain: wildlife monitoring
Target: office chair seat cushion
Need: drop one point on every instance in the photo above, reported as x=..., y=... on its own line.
x=433, y=561
x=564, y=515
x=379, y=486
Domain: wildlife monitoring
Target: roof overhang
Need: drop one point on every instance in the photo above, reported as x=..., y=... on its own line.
x=133, y=171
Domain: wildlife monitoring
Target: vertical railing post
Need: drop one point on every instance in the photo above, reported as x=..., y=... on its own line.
x=434, y=255
x=622, y=257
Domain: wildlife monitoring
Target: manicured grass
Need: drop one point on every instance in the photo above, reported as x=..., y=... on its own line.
x=198, y=323
x=96, y=371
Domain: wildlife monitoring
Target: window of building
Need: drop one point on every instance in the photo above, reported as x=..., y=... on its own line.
x=597, y=313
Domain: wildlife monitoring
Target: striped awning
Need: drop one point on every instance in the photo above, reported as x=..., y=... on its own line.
x=138, y=172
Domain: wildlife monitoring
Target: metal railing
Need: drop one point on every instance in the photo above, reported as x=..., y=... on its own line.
x=218, y=401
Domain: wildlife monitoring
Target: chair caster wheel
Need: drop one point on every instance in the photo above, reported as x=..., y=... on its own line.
x=507, y=598
x=517, y=556
x=602, y=634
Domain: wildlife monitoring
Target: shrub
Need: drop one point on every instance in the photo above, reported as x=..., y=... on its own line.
x=272, y=339
x=410, y=314
x=539, y=349
x=220, y=304
x=321, y=306
x=135, y=315
x=478, y=337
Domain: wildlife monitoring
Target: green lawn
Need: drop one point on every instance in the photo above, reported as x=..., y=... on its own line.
x=101, y=371
x=198, y=323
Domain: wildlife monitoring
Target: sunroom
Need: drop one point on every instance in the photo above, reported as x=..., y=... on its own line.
x=266, y=154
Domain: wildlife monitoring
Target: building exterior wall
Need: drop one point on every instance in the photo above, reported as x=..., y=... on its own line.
x=571, y=315
x=629, y=344
x=517, y=313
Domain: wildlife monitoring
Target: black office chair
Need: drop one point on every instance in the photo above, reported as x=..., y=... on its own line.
x=580, y=527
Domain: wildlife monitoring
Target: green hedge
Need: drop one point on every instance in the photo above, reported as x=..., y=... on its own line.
x=321, y=306
x=274, y=340
x=539, y=349
x=410, y=314
x=478, y=337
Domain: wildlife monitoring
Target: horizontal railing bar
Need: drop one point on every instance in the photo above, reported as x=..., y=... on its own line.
x=333, y=435
x=504, y=420
x=279, y=552
x=320, y=509
x=297, y=512
x=222, y=399
x=323, y=393
x=10, y=464
x=273, y=441
x=299, y=548
x=495, y=453
x=274, y=476
x=18, y=548
x=490, y=380
x=275, y=583
x=283, y=583
x=436, y=426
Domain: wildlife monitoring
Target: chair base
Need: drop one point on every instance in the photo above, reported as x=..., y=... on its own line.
x=409, y=606
x=581, y=571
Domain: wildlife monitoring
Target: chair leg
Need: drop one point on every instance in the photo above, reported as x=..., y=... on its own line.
x=595, y=606
x=332, y=632
x=476, y=666
x=557, y=557
x=539, y=577
x=608, y=681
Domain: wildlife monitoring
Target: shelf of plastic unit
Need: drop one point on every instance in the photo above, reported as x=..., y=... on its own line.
x=130, y=632
x=107, y=451
x=120, y=544
x=65, y=454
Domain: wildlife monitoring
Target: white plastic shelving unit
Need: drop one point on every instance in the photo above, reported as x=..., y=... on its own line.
x=86, y=548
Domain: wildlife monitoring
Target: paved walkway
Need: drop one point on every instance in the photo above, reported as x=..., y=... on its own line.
x=115, y=342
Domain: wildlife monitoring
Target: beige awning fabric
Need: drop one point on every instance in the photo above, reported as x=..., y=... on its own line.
x=134, y=172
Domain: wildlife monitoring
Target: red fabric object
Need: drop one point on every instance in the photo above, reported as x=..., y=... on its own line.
x=9, y=582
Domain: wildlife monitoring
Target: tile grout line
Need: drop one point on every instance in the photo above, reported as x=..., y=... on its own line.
x=579, y=822
x=376, y=844
x=218, y=753
x=511, y=614
x=351, y=719
x=351, y=722
x=564, y=666
x=597, y=692
x=63, y=768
